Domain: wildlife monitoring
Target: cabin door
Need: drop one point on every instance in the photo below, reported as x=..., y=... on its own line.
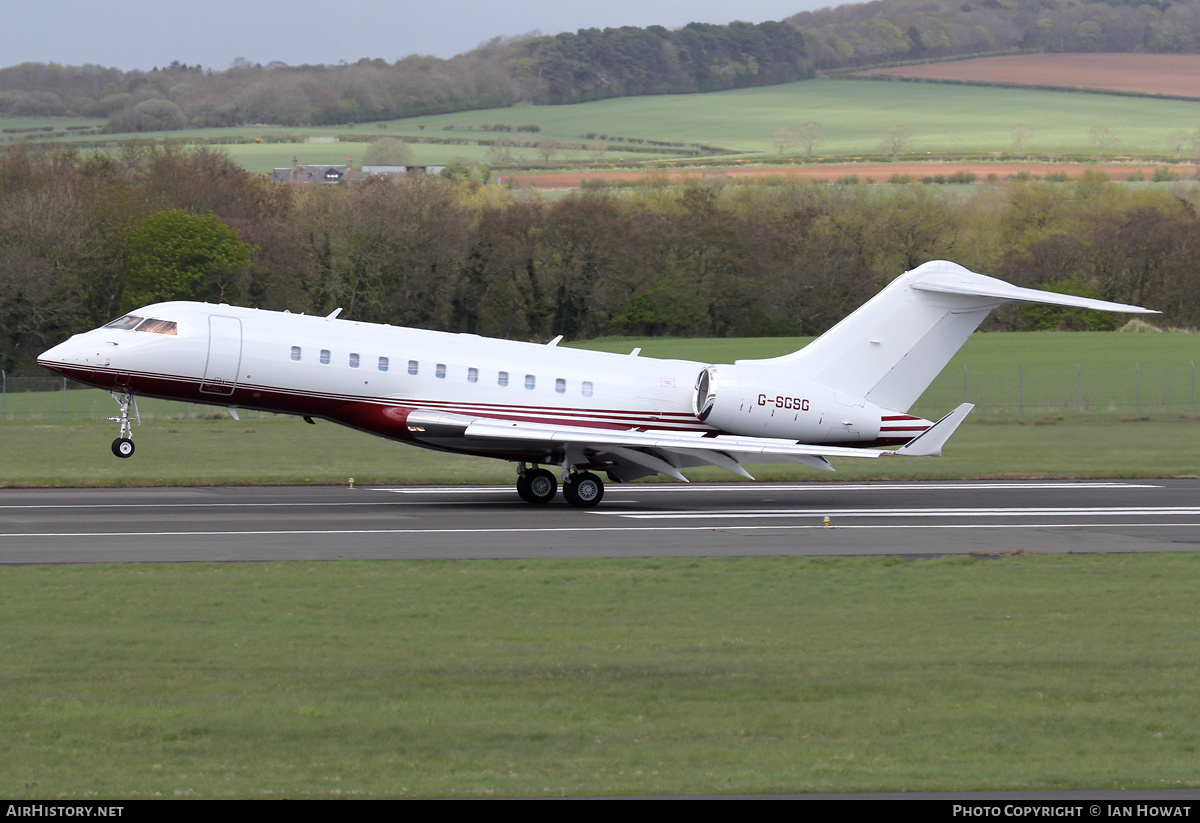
x=224, y=355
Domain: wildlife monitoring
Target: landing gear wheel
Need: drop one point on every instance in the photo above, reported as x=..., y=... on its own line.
x=123, y=445
x=584, y=490
x=537, y=486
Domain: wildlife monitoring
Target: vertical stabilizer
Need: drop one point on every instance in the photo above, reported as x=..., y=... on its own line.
x=895, y=344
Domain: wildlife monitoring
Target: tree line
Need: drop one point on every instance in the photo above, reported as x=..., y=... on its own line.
x=87, y=237
x=864, y=34
x=592, y=64
x=565, y=68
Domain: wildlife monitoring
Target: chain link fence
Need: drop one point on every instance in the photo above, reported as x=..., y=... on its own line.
x=1018, y=390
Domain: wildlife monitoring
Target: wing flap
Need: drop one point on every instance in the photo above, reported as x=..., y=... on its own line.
x=687, y=442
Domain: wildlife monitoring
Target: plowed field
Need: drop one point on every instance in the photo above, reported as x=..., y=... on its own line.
x=879, y=173
x=1171, y=74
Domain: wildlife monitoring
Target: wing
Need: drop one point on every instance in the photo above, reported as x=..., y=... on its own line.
x=628, y=454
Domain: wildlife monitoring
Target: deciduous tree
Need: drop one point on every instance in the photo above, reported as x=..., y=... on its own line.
x=895, y=140
x=173, y=255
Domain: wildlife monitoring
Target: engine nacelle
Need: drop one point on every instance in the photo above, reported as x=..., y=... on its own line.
x=758, y=402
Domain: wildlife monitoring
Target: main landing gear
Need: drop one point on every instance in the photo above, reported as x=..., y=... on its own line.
x=581, y=489
x=536, y=485
x=123, y=445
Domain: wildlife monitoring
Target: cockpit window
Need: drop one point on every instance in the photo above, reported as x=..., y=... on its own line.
x=126, y=322
x=159, y=326
x=132, y=322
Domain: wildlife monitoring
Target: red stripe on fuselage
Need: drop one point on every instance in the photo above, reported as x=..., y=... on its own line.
x=347, y=408
x=387, y=416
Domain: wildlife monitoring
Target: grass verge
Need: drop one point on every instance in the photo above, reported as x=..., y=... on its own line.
x=569, y=677
x=286, y=451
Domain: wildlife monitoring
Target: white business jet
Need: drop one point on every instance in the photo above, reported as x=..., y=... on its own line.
x=846, y=394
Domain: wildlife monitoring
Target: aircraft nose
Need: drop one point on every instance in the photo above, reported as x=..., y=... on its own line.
x=72, y=353
x=54, y=356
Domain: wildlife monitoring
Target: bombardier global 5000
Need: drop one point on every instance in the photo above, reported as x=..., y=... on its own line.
x=585, y=413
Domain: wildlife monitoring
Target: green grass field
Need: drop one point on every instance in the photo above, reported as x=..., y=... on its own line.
x=286, y=451
x=984, y=352
x=16, y=129
x=942, y=119
x=853, y=115
x=1117, y=435
x=580, y=677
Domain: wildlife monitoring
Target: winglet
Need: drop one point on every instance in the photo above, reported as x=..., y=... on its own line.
x=929, y=442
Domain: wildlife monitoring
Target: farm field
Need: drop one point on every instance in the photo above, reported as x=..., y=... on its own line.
x=15, y=129
x=1168, y=74
x=943, y=121
x=853, y=115
x=834, y=172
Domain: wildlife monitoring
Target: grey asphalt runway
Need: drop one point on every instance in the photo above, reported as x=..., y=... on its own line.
x=327, y=523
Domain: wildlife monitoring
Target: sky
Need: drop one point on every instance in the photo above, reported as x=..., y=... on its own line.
x=142, y=34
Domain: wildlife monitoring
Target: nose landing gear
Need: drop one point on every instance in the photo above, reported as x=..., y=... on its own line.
x=123, y=445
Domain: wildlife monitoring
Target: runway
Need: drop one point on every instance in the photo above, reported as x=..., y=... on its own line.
x=736, y=519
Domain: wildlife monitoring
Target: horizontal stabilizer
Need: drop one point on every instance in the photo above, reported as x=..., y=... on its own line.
x=929, y=442
x=999, y=290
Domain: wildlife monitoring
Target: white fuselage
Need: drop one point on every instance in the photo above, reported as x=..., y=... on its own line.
x=370, y=376
x=584, y=411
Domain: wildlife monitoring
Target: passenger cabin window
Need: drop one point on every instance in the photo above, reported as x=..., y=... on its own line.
x=383, y=364
x=412, y=366
x=502, y=379
x=472, y=375
x=530, y=381
x=440, y=370
x=325, y=356
x=587, y=388
x=295, y=352
x=560, y=385
x=354, y=360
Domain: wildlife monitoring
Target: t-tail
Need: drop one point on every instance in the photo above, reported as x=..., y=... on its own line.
x=867, y=371
x=894, y=345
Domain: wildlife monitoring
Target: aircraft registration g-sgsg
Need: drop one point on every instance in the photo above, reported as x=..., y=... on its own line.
x=846, y=394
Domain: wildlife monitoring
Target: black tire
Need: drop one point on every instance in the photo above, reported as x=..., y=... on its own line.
x=537, y=486
x=122, y=447
x=523, y=488
x=584, y=490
